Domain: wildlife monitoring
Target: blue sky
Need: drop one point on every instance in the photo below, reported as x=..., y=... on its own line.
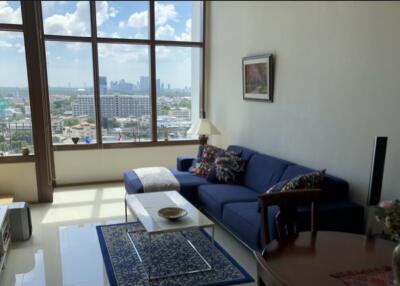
x=69, y=64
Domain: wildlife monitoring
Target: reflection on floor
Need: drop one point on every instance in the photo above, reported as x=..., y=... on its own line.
x=64, y=248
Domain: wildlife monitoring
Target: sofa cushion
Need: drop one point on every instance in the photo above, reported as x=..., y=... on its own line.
x=228, y=169
x=206, y=161
x=213, y=197
x=189, y=184
x=246, y=153
x=333, y=188
x=183, y=163
x=263, y=171
x=245, y=222
x=311, y=180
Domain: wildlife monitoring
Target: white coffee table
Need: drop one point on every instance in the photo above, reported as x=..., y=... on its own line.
x=145, y=207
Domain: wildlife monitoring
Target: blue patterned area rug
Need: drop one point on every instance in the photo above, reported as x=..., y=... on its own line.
x=171, y=253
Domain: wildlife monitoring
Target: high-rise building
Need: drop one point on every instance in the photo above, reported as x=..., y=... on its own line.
x=83, y=106
x=158, y=83
x=183, y=114
x=103, y=84
x=113, y=106
x=144, y=83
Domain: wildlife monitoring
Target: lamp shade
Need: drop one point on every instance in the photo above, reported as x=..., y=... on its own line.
x=203, y=127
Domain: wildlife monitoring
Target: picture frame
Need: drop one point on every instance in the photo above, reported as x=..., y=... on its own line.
x=258, y=78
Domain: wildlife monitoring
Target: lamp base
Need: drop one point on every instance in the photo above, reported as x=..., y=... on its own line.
x=203, y=139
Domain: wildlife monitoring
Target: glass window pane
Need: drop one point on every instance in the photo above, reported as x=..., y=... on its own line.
x=124, y=92
x=179, y=20
x=10, y=12
x=68, y=18
x=70, y=78
x=15, y=109
x=123, y=19
x=178, y=91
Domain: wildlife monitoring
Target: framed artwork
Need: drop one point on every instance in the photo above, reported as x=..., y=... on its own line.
x=258, y=78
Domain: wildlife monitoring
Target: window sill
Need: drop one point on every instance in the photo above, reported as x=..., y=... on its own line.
x=123, y=145
x=17, y=159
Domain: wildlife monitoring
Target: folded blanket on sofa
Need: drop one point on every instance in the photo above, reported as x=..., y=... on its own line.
x=157, y=179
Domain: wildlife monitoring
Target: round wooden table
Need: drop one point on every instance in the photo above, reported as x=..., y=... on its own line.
x=308, y=261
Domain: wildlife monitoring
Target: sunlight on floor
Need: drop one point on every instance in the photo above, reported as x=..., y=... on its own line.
x=72, y=204
x=64, y=248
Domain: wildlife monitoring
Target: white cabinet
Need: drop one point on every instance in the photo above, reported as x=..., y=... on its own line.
x=5, y=235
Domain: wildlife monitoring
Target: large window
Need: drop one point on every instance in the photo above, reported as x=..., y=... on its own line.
x=15, y=109
x=123, y=72
x=125, y=92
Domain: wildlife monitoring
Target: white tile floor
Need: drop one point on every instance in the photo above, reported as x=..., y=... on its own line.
x=64, y=248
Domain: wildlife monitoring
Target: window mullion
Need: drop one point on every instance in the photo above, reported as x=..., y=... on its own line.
x=153, y=71
x=95, y=61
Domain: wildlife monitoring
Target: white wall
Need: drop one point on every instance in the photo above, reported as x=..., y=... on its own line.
x=109, y=164
x=337, y=83
x=19, y=179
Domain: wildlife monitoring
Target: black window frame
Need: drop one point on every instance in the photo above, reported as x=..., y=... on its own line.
x=19, y=28
x=152, y=43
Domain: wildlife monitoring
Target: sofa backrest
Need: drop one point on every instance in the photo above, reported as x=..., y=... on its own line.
x=263, y=171
x=333, y=188
x=245, y=153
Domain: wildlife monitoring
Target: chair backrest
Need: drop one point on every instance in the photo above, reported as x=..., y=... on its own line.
x=287, y=217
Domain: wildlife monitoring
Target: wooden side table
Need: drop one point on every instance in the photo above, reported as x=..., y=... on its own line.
x=312, y=260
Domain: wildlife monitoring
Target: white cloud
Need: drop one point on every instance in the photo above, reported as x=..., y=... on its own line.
x=104, y=11
x=138, y=20
x=8, y=14
x=20, y=48
x=163, y=52
x=101, y=34
x=123, y=54
x=168, y=33
x=4, y=44
x=78, y=46
x=76, y=23
x=139, y=36
x=187, y=35
x=165, y=32
x=121, y=24
x=165, y=13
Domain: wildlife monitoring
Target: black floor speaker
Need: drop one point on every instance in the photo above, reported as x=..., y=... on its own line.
x=377, y=169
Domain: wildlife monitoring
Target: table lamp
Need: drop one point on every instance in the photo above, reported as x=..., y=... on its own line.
x=203, y=127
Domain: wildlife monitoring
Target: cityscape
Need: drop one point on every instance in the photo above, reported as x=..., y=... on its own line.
x=125, y=114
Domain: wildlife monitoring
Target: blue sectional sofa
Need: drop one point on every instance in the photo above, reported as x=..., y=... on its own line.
x=236, y=206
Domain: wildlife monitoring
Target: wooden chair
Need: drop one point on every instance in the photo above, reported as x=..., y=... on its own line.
x=286, y=220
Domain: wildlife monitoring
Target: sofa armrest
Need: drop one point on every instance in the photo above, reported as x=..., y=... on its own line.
x=183, y=163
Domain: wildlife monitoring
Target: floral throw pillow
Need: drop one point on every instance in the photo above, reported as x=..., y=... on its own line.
x=207, y=159
x=308, y=181
x=196, y=161
x=228, y=169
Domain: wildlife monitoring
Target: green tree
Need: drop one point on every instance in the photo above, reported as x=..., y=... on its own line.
x=71, y=121
x=113, y=123
x=4, y=147
x=23, y=136
x=91, y=120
